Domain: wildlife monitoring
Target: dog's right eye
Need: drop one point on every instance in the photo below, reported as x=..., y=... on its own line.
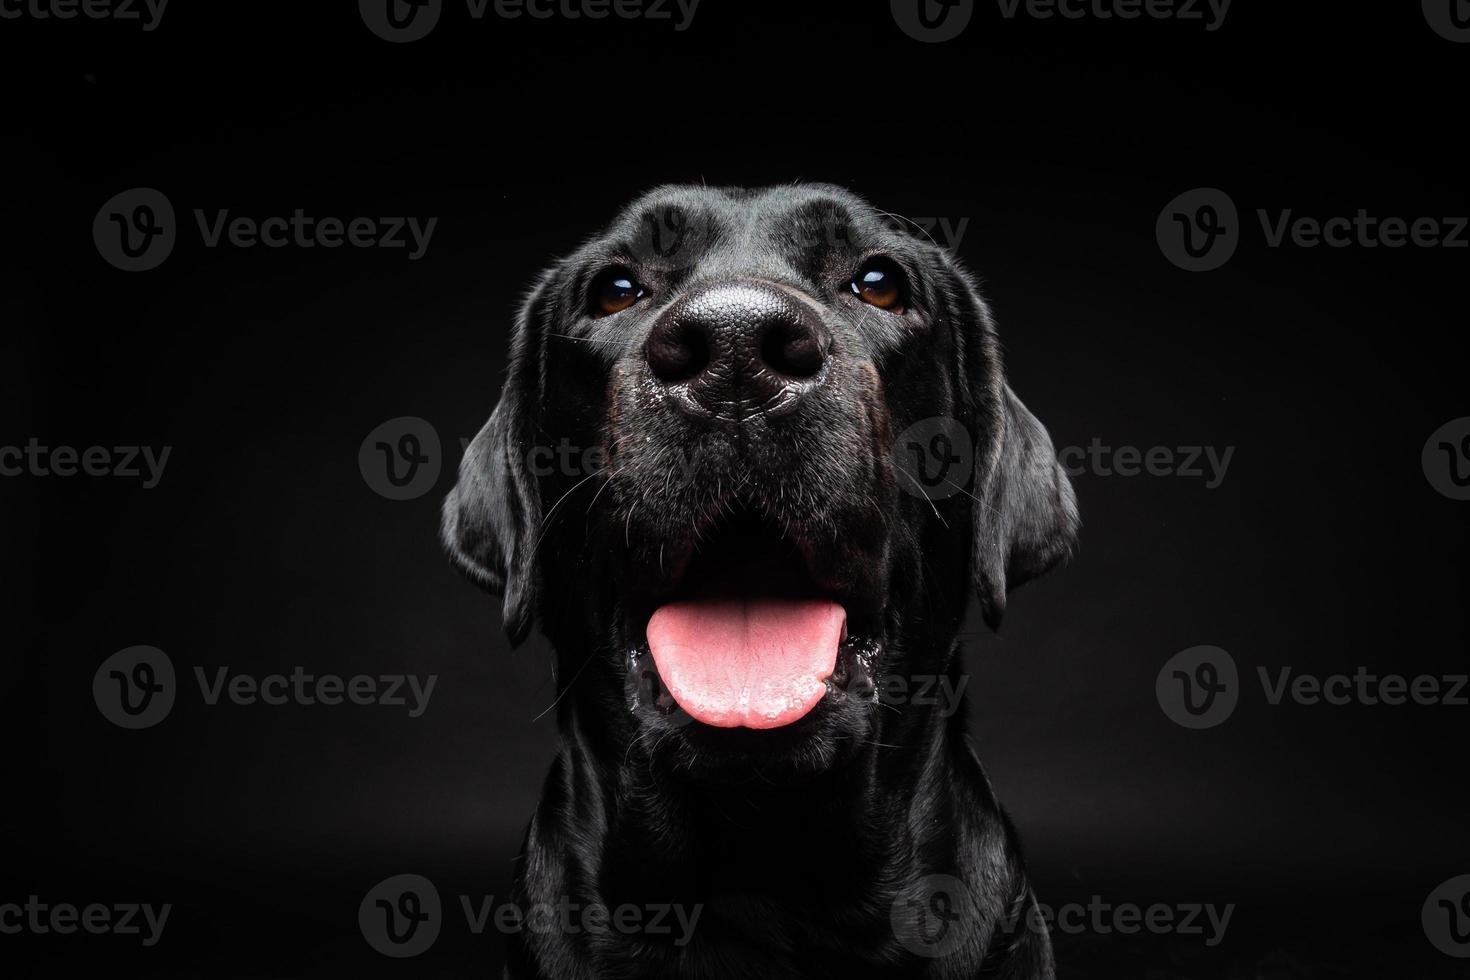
x=613, y=291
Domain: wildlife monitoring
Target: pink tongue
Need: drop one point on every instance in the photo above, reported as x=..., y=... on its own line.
x=759, y=663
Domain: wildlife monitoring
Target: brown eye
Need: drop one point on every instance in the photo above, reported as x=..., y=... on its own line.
x=880, y=284
x=614, y=291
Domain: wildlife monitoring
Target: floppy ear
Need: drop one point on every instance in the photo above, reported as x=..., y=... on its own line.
x=1029, y=521
x=491, y=515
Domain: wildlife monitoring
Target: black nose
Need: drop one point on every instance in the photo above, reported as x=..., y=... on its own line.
x=738, y=349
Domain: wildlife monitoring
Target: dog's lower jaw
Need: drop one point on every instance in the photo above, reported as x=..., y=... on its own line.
x=797, y=880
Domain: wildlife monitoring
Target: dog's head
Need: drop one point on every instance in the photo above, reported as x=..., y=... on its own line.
x=753, y=451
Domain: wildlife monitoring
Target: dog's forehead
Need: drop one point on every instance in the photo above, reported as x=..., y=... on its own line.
x=778, y=225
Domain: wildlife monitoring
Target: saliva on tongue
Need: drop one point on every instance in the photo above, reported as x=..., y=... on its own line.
x=734, y=661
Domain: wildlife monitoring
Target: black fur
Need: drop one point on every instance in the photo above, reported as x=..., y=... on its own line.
x=801, y=846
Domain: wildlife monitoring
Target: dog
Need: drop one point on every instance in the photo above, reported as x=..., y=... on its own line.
x=795, y=457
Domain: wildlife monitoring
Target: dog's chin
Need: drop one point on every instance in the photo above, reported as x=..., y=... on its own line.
x=753, y=660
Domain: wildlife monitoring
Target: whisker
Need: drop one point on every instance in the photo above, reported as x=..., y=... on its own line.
x=564, y=690
x=606, y=341
x=911, y=223
x=922, y=492
x=545, y=521
x=605, y=484
x=967, y=493
x=569, y=493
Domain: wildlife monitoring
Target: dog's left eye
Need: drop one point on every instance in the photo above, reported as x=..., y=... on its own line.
x=880, y=283
x=614, y=291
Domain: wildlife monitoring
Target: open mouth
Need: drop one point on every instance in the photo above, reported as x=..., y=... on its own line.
x=749, y=637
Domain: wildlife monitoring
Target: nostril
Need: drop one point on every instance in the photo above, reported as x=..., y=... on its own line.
x=677, y=352
x=792, y=349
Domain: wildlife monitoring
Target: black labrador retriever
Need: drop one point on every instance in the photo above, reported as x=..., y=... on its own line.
x=754, y=450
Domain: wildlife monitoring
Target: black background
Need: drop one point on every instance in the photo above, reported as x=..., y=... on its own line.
x=263, y=548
